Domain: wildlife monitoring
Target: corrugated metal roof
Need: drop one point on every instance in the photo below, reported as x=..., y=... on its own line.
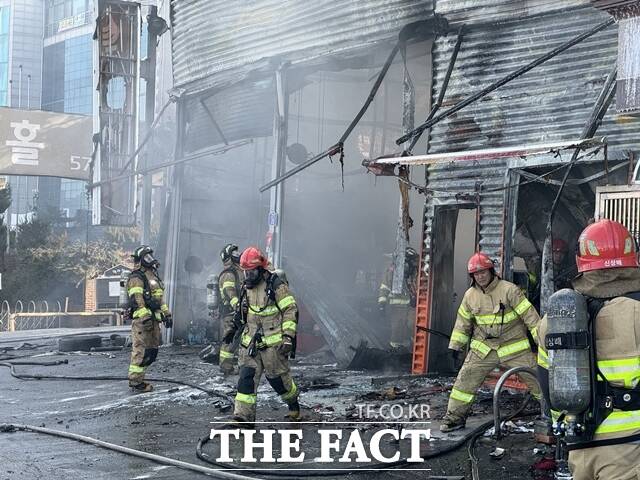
x=217, y=43
x=550, y=103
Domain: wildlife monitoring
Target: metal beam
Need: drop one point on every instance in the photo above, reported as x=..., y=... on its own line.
x=338, y=146
x=486, y=154
x=504, y=80
x=276, y=200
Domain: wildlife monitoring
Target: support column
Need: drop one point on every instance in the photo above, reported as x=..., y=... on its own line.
x=276, y=200
x=402, y=232
x=150, y=100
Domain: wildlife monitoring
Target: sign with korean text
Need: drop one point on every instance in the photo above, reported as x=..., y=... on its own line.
x=39, y=143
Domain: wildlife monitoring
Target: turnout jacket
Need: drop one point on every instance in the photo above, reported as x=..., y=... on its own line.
x=617, y=341
x=146, y=297
x=496, y=318
x=230, y=284
x=273, y=317
x=410, y=284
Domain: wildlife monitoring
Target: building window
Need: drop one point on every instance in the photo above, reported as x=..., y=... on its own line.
x=66, y=14
x=53, y=72
x=78, y=75
x=4, y=56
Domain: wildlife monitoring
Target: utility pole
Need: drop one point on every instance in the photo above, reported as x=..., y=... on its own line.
x=20, y=86
x=29, y=92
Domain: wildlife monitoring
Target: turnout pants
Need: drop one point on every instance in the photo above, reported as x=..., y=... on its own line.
x=616, y=462
x=275, y=367
x=227, y=351
x=473, y=372
x=145, y=339
x=402, y=320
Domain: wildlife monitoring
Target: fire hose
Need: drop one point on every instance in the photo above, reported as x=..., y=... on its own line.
x=27, y=376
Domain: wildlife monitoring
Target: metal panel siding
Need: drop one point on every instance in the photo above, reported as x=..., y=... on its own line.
x=242, y=111
x=551, y=102
x=494, y=11
x=452, y=179
x=216, y=42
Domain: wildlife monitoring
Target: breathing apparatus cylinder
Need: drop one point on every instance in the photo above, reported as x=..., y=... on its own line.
x=213, y=295
x=568, y=345
x=123, y=298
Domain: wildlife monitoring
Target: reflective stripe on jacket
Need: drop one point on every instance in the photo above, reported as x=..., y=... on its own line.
x=495, y=319
x=275, y=319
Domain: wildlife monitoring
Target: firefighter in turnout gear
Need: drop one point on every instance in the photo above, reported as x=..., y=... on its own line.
x=400, y=309
x=230, y=286
x=492, y=319
x=147, y=310
x=609, y=280
x=269, y=314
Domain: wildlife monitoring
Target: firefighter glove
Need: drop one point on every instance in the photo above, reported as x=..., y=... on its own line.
x=228, y=337
x=382, y=307
x=168, y=320
x=286, y=347
x=457, y=359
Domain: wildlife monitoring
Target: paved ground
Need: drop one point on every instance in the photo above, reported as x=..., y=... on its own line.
x=170, y=420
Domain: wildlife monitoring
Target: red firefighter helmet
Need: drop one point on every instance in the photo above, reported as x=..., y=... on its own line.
x=606, y=244
x=253, y=258
x=559, y=245
x=478, y=262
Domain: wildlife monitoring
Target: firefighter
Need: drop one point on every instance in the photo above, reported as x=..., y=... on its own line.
x=564, y=270
x=147, y=310
x=609, y=278
x=493, y=318
x=230, y=285
x=400, y=308
x=269, y=314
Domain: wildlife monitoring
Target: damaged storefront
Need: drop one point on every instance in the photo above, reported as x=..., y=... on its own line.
x=495, y=165
x=518, y=141
x=261, y=95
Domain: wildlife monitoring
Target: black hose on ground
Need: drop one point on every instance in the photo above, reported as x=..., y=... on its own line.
x=475, y=475
x=473, y=435
x=27, y=376
x=10, y=428
x=333, y=473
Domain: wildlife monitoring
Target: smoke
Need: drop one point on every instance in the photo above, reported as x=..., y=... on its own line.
x=344, y=237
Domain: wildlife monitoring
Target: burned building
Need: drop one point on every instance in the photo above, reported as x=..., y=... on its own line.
x=266, y=90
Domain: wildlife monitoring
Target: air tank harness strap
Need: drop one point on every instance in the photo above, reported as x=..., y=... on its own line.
x=604, y=442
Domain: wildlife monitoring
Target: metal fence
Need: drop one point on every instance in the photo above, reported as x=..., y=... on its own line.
x=9, y=314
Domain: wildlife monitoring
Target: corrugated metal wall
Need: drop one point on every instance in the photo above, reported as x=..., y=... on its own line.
x=242, y=111
x=216, y=43
x=494, y=11
x=550, y=103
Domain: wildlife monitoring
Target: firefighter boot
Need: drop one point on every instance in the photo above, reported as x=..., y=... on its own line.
x=294, y=414
x=143, y=387
x=450, y=425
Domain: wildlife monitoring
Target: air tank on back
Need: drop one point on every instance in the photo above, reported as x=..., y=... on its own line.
x=569, y=368
x=213, y=297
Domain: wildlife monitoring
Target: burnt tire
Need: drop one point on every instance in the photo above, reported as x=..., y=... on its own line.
x=82, y=343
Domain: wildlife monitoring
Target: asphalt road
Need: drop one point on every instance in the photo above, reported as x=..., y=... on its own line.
x=169, y=420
